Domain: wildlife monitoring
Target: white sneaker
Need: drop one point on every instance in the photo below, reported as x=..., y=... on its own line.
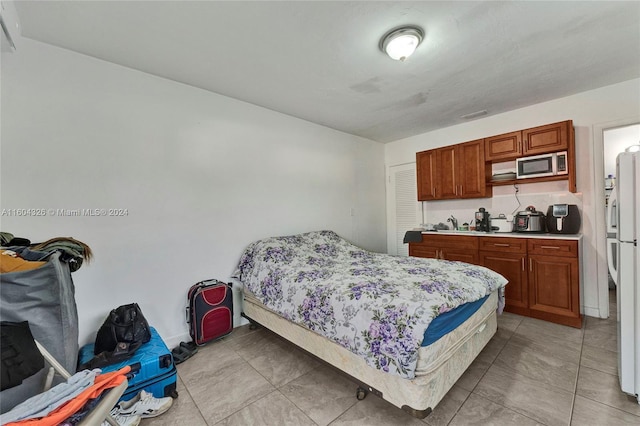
x=123, y=420
x=145, y=405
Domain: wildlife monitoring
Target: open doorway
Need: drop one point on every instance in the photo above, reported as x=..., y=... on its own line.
x=609, y=140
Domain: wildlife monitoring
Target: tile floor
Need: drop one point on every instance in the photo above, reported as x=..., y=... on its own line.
x=531, y=373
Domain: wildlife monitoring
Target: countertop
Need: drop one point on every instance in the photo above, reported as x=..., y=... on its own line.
x=508, y=234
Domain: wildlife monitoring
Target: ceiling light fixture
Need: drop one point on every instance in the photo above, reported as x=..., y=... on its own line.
x=400, y=43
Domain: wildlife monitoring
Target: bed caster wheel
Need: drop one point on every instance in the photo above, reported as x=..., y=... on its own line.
x=361, y=393
x=253, y=326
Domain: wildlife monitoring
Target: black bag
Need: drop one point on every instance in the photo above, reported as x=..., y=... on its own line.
x=125, y=324
x=21, y=358
x=122, y=352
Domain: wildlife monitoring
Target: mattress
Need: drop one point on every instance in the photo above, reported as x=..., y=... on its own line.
x=449, y=321
x=439, y=366
x=375, y=305
x=429, y=357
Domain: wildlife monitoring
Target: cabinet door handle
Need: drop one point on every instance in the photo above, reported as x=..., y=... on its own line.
x=441, y=255
x=550, y=247
x=501, y=245
x=523, y=263
x=461, y=190
x=530, y=265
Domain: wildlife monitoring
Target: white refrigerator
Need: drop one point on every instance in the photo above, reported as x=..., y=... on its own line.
x=627, y=221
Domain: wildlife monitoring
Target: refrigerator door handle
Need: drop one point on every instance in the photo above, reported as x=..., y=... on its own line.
x=611, y=212
x=612, y=244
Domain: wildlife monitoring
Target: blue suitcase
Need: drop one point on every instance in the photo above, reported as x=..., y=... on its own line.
x=152, y=368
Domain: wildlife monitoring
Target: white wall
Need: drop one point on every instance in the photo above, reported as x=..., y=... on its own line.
x=201, y=176
x=589, y=109
x=615, y=142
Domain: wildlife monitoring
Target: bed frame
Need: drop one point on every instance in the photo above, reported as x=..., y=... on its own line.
x=417, y=396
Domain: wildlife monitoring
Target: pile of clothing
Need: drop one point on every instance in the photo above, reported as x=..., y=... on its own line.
x=70, y=402
x=37, y=287
x=72, y=251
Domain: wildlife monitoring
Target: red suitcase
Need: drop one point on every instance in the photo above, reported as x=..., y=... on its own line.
x=210, y=311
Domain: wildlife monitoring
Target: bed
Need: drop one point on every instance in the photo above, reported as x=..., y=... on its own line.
x=405, y=328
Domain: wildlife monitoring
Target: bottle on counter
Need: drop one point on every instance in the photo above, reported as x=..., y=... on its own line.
x=609, y=182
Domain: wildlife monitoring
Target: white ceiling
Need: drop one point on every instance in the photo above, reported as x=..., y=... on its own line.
x=319, y=60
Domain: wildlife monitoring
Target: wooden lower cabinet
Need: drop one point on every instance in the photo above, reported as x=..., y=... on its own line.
x=446, y=247
x=510, y=265
x=554, y=289
x=426, y=251
x=508, y=257
x=543, y=274
x=461, y=255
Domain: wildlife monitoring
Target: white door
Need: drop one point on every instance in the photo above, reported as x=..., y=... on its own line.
x=404, y=212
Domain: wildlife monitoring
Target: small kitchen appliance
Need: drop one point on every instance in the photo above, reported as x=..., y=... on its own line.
x=501, y=224
x=530, y=220
x=482, y=220
x=542, y=165
x=563, y=219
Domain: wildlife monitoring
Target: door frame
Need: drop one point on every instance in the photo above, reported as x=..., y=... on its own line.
x=601, y=229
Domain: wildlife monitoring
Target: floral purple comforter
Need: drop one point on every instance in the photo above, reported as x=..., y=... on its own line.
x=376, y=305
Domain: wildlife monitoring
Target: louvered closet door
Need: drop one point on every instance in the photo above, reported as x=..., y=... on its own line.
x=403, y=209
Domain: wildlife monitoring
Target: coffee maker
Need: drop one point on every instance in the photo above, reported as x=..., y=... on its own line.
x=482, y=220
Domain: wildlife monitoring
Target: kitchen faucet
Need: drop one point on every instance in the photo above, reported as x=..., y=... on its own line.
x=454, y=222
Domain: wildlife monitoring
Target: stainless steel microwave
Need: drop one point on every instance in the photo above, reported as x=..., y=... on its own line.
x=542, y=165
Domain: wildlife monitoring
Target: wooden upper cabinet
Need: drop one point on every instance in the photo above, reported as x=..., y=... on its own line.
x=447, y=187
x=550, y=138
x=472, y=170
x=503, y=147
x=425, y=170
x=537, y=140
x=452, y=172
